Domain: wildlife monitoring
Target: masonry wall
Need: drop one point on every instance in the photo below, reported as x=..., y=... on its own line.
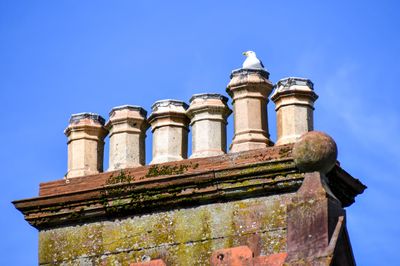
x=179, y=237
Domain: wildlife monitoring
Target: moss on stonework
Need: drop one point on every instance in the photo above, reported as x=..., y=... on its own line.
x=65, y=244
x=158, y=170
x=120, y=178
x=269, y=169
x=179, y=237
x=113, y=190
x=194, y=228
x=285, y=151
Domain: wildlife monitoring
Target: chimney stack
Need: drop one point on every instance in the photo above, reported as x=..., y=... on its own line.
x=127, y=127
x=169, y=125
x=294, y=99
x=86, y=135
x=249, y=89
x=208, y=113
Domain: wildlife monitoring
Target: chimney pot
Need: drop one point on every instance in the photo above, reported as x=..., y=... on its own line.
x=208, y=113
x=127, y=126
x=169, y=125
x=249, y=89
x=86, y=135
x=294, y=105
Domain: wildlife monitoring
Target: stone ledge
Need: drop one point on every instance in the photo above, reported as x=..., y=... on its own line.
x=173, y=168
x=157, y=194
x=172, y=185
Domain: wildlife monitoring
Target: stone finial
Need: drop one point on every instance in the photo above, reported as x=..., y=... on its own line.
x=127, y=126
x=294, y=99
x=249, y=89
x=315, y=151
x=208, y=113
x=86, y=135
x=169, y=125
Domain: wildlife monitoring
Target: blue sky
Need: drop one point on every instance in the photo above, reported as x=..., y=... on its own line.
x=63, y=57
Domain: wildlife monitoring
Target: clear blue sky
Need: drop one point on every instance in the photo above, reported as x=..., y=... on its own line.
x=63, y=57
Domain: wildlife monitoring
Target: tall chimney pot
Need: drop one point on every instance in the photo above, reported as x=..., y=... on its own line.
x=127, y=127
x=208, y=113
x=86, y=135
x=294, y=104
x=249, y=89
x=169, y=125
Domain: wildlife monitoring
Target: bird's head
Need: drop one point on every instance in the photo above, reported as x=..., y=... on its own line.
x=249, y=53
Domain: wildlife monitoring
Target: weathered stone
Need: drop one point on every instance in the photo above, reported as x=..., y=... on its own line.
x=185, y=236
x=86, y=135
x=294, y=99
x=127, y=127
x=320, y=238
x=249, y=89
x=208, y=114
x=315, y=151
x=169, y=125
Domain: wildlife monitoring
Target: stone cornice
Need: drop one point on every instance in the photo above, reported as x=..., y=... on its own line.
x=174, y=185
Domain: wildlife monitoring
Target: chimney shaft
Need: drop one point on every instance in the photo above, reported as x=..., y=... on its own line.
x=86, y=135
x=294, y=104
x=249, y=89
x=127, y=126
x=208, y=113
x=169, y=125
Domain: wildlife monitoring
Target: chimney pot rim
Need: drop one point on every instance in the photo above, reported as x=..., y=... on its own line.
x=138, y=108
x=75, y=118
x=166, y=102
x=289, y=81
x=205, y=96
x=245, y=71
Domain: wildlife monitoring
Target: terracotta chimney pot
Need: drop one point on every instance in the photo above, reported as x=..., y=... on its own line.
x=169, y=125
x=249, y=89
x=208, y=113
x=294, y=100
x=86, y=135
x=127, y=127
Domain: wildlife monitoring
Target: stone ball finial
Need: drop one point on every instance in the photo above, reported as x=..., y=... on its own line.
x=315, y=151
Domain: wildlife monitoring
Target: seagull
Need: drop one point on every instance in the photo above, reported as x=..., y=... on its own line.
x=252, y=61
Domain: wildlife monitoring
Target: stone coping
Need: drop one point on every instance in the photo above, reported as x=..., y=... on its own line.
x=289, y=81
x=138, y=108
x=185, y=183
x=75, y=118
x=203, y=165
x=247, y=71
x=206, y=96
x=167, y=102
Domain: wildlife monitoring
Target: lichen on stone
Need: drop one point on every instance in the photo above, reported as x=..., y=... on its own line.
x=159, y=170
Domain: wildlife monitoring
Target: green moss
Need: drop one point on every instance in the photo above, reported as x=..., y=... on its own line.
x=179, y=237
x=163, y=229
x=112, y=190
x=121, y=178
x=67, y=244
x=75, y=214
x=285, y=151
x=158, y=170
x=266, y=169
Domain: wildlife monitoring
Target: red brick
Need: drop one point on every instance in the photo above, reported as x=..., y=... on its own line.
x=271, y=260
x=149, y=263
x=237, y=256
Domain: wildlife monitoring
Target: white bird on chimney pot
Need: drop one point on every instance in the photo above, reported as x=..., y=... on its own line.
x=252, y=62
